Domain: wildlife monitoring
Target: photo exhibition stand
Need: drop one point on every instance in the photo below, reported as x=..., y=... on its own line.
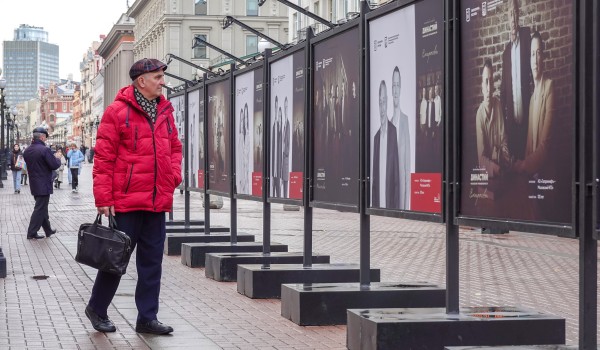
x=459, y=327
x=265, y=281
x=194, y=254
x=223, y=267
x=327, y=303
x=188, y=230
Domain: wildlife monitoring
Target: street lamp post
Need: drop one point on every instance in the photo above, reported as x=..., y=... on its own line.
x=3, y=175
x=12, y=125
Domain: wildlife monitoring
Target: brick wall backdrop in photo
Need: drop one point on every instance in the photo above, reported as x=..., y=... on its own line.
x=487, y=37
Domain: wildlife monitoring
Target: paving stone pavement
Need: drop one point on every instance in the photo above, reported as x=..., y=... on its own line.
x=517, y=269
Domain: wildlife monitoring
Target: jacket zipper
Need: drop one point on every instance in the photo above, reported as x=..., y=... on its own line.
x=135, y=139
x=154, y=147
x=155, y=167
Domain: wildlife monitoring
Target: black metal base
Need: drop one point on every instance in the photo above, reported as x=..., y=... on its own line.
x=182, y=223
x=173, y=241
x=222, y=267
x=517, y=347
x=264, y=281
x=2, y=265
x=433, y=328
x=195, y=229
x=322, y=304
x=194, y=254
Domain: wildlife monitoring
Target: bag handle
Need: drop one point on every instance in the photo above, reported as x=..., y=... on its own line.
x=112, y=223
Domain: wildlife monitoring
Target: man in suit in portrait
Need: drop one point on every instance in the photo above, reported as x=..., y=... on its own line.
x=515, y=88
x=384, y=191
x=274, y=164
x=400, y=122
x=285, y=162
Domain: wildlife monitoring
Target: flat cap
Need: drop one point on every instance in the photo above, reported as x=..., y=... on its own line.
x=145, y=65
x=40, y=130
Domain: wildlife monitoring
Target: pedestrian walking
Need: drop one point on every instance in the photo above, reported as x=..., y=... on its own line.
x=17, y=163
x=136, y=170
x=40, y=163
x=75, y=159
x=60, y=172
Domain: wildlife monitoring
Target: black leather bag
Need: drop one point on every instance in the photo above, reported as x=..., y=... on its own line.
x=104, y=248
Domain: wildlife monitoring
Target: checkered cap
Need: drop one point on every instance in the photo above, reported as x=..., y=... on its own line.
x=145, y=65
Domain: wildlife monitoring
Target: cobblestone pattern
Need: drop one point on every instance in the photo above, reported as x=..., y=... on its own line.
x=534, y=271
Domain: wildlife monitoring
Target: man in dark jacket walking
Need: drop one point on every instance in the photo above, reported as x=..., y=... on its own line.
x=40, y=164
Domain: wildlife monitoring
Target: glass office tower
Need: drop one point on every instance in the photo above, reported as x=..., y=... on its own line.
x=29, y=62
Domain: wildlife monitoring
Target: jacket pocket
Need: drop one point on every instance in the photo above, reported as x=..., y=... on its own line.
x=128, y=176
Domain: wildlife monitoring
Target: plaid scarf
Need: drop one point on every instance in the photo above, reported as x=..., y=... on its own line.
x=148, y=106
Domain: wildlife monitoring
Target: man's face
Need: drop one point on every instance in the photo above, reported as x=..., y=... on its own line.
x=396, y=88
x=513, y=18
x=150, y=84
x=437, y=90
x=382, y=104
x=487, y=84
x=537, y=64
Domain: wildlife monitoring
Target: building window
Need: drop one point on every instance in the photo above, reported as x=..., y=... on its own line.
x=333, y=10
x=316, y=8
x=251, y=44
x=295, y=23
x=64, y=107
x=200, y=49
x=200, y=7
x=251, y=7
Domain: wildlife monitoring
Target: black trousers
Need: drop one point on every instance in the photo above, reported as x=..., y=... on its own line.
x=74, y=177
x=147, y=231
x=39, y=217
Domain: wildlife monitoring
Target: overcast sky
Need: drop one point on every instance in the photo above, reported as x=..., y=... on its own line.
x=71, y=24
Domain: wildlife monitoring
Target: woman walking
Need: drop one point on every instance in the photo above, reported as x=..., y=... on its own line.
x=16, y=165
x=75, y=158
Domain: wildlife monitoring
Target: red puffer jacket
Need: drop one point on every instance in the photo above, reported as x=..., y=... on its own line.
x=137, y=165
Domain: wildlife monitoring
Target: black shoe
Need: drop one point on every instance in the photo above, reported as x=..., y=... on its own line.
x=100, y=324
x=35, y=237
x=153, y=327
x=51, y=233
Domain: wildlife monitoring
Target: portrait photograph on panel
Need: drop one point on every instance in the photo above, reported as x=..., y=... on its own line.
x=219, y=104
x=201, y=152
x=517, y=115
x=257, y=130
x=244, y=115
x=336, y=119
x=287, y=115
x=178, y=103
x=194, y=136
x=298, y=116
x=392, y=108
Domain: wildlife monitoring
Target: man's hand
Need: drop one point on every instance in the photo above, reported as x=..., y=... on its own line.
x=107, y=210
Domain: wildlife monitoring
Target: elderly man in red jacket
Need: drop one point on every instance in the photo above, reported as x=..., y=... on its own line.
x=137, y=166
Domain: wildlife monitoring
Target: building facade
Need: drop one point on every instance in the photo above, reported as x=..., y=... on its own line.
x=29, y=62
x=169, y=27
x=90, y=68
x=117, y=51
x=56, y=104
x=335, y=11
